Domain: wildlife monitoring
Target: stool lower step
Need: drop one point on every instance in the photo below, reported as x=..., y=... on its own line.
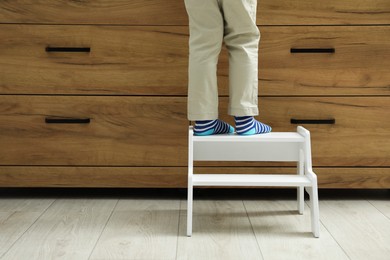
x=281, y=180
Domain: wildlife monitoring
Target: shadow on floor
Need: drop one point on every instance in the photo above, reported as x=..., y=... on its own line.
x=199, y=193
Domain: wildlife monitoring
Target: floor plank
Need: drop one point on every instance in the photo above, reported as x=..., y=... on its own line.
x=16, y=216
x=221, y=230
x=361, y=230
x=383, y=206
x=140, y=229
x=152, y=225
x=284, y=234
x=68, y=229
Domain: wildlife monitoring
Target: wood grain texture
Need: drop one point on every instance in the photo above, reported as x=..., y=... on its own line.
x=124, y=131
x=284, y=234
x=140, y=229
x=153, y=60
x=221, y=230
x=54, y=176
x=140, y=48
x=140, y=12
x=358, y=227
x=144, y=226
x=17, y=216
x=172, y=12
x=68, y=229
x=360, y=136
x=176, y=177
x=382, y=205
x=351, y=178
x=152, y=131
x=122, y=60
x=358, y=66
x=304, y=12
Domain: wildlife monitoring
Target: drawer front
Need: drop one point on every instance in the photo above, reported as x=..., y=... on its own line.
x=135, y=12
x=300, y=60
x=172, y=12
x=314, y=12
x=175, y=177
x=96, y=59
x=153, y=60
x=359, y=137
x=123, y=131
x=152, y=131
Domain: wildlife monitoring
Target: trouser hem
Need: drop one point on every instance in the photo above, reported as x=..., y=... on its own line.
x=250, y=111
x=202, y=116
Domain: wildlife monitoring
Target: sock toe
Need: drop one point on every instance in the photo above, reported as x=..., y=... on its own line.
x=247, y=125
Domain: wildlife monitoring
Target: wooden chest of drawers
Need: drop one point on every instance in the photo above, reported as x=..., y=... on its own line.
x=93, y=93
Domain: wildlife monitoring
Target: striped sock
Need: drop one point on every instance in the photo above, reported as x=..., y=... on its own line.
x=247, y=125
x=212, y=127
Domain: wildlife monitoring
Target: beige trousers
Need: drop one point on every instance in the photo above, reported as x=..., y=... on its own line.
x=210, y=23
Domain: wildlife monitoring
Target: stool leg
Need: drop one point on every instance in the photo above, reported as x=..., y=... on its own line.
x=190, y=183
x=300, y=196
x=189, y=207
x=300, y=189
x=315, y=215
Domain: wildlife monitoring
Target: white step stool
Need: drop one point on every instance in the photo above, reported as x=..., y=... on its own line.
x=282, y=146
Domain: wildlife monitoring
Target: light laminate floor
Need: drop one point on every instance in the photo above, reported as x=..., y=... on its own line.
x=228, y=224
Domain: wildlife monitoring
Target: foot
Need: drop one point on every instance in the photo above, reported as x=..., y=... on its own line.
x=247, y=125
x=212, y=127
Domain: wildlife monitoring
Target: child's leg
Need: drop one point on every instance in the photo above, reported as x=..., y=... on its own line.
x=242, y=39
x=206, y=35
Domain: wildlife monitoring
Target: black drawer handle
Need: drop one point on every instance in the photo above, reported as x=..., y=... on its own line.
x=68, y=49
x=67, y=120
x=312, y=50
x=313, y=121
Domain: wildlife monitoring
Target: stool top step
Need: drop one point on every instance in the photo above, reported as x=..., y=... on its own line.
x=269, y=137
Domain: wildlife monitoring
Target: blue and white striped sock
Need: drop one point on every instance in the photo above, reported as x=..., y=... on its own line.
x=247, y=125
x=212, y=127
